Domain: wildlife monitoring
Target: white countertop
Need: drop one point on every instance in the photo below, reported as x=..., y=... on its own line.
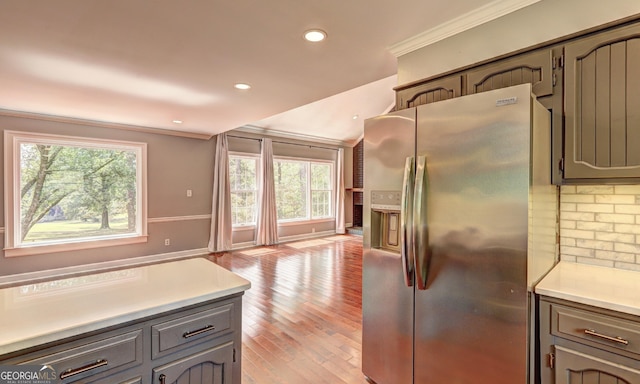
x=609, y=288
x=38, y=313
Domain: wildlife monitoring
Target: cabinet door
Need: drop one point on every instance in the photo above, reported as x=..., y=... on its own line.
x=94, y=359
x=602, y=105
x=534, y=68
x=132, y=378
x=538, y=69
x=430, y=92
x=212, y=366
x=574, y=367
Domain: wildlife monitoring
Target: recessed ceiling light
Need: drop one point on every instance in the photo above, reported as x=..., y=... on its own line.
x=242, y=86
x=177, y=121
x=355, y=117
x=315, y=35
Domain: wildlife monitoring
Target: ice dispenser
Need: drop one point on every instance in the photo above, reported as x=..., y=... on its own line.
x=385, y=220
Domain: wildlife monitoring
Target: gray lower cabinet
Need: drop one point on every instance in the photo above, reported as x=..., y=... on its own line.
x=586, y=345
x=602, y=105
x=573, y=367
x=194, y=345
x=211, y=366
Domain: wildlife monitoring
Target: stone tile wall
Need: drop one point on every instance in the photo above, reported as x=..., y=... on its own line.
x=601, y=225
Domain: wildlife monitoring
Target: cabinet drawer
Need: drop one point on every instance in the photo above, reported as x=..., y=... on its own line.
x=96, y=357
x=606, y=332
x=172, y=335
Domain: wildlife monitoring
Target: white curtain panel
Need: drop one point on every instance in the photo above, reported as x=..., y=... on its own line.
x=340, y=192
x=221, y=230
x=267, y=226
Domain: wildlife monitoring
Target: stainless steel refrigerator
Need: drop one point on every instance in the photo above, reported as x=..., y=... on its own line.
x=459, y=222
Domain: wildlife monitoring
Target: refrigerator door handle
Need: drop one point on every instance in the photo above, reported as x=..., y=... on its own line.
x=420, y=228
x=406, y=221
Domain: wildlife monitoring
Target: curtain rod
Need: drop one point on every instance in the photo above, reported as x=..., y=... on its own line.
x=284, y=142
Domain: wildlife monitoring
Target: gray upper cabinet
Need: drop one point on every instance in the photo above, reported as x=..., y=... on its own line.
x=432, y=91
x=541, y=69
x=535, y=68
x=602, y=105
x=590, y=83
x=212, y=366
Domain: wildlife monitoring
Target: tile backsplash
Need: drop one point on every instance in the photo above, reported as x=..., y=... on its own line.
x=600, y=225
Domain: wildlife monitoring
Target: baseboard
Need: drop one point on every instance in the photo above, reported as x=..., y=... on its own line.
x=306, y=236
x=286, y=239
x=246, y=244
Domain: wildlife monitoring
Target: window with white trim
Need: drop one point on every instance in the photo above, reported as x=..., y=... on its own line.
x=304, y=189
x=66, y=193
x=321, y=190
x=243, y=180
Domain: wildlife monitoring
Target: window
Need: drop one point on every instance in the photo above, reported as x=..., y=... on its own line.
x=304, y=189
x=243, y=171
x=66, y=193
x=321, y=190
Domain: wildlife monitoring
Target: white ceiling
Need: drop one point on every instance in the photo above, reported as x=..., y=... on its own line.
x=147, y=63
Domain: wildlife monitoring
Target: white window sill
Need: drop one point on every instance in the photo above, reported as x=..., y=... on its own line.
x=247, y=227
x=305, y=221
x=73, y=246
x=287, y=223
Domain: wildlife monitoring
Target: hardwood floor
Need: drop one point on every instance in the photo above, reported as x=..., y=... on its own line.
x=302, y=315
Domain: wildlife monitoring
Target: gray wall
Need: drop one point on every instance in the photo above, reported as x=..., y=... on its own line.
x=174, y=164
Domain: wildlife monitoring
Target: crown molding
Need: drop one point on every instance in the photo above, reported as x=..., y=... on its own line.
x=104, y=124
x=254, y=129
x=478, y=16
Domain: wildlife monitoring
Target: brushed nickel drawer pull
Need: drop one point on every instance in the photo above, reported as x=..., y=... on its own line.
x=88, y=367
x=618, y=339
x=208, y=328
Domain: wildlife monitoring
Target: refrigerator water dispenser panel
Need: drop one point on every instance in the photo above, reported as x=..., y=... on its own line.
x=385, y=223
x=386, y=200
